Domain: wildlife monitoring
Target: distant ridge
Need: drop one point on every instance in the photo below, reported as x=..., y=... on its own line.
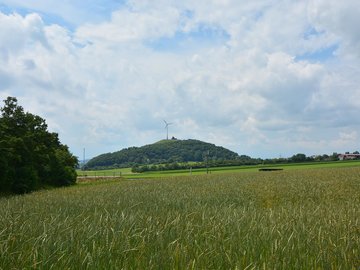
x=163, y=151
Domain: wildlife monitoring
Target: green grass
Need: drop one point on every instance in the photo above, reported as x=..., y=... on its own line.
x=292, y=219
x=126, y=172
x=111, y=172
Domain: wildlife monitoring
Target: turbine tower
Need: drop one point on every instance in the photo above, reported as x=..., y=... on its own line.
x=167, y=129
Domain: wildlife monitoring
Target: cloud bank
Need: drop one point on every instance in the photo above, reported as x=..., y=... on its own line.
x=264, y=78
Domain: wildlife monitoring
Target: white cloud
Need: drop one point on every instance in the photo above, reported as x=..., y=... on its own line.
x=341, y=19
x=129, y=25
x=103, y=87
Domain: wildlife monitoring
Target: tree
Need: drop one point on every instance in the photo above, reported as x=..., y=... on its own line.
x=334, y=156
x=30, y=156
x=298, y=158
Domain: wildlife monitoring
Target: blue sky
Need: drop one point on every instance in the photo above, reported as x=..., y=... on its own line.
x=262, y=78
x=321, y=55
x=70, y=14
x=203, y=36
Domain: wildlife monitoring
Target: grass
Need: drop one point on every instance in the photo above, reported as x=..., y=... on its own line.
x=101, y=173
x=293, y=219
x=126, y=172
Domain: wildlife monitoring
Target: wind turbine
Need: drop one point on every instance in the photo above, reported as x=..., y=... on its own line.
x=167, y=129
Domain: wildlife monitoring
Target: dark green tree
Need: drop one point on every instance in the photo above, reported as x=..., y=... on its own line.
x=298, y=158
x=334, y=156
x=30, y=156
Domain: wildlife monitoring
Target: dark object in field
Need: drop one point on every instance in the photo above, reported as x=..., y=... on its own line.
x=270, y=169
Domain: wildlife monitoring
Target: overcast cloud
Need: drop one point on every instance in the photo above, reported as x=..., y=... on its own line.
x=263, y=78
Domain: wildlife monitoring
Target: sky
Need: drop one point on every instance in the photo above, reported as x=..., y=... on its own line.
x=264, y=78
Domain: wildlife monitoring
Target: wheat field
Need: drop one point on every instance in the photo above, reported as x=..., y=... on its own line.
x=298, y=219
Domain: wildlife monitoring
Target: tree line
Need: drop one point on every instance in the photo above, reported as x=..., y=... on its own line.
x=31, y=157
x=242, y=160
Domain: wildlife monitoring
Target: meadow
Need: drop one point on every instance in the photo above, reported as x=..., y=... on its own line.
x=126, y=172
x=291, y=219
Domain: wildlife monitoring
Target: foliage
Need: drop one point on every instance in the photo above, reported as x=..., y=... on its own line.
x=30, y=156
x=298, y=219
x=242, y=160
x=166, y=151
x=213, y=163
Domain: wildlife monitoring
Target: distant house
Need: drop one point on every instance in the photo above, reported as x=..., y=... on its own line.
x=348, y=156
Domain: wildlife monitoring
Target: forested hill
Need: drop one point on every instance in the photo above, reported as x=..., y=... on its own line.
x=164, y=151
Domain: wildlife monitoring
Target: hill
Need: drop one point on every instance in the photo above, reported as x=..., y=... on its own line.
x=164, y=151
